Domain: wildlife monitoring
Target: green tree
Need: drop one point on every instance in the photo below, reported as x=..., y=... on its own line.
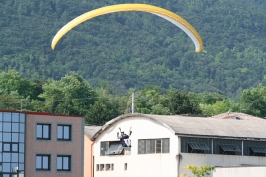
x=10, y=101
x=201, y=171
x=253, y=101
x=179, y=103
x=71, y=95
x=98, y=114
x=150, y=101
x=12, y=81
x=219, y=107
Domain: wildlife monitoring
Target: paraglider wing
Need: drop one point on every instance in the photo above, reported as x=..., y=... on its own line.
x=170, y=16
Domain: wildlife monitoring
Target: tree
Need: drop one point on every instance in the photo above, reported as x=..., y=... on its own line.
x=219, y=107
x=12, y=81
x=150, y=101
x=201, y=171
x=10, y=101
x=253, y=101
x=179, y=103
x=71, y=95
x=98, y=114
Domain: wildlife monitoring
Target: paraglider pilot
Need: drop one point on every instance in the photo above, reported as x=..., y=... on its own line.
x=124, y=138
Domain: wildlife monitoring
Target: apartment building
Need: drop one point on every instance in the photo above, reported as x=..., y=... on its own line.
x=37, y=144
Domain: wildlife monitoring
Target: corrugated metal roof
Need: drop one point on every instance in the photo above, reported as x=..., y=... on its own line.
x=91, y=130
x=234, y=115
x=214, y=127
x=199, y=126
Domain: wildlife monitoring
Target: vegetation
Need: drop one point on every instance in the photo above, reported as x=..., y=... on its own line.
x=131, y=50
x=201, y=171
x=73, y=95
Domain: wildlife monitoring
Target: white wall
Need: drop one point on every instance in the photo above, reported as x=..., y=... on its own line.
x=219, y=160
x=155, y=165
x=240, y=171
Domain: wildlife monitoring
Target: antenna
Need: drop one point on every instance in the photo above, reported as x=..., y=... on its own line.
x=132, y=105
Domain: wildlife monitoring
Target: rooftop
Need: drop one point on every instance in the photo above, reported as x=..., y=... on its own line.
x=236, y=115
x=203, y=127
x=91, y=130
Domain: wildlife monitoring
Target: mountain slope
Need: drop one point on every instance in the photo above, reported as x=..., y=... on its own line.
x=133, y=49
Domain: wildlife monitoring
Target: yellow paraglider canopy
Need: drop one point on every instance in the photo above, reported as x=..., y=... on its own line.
x=170, y=16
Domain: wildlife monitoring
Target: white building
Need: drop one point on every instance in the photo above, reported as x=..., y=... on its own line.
x=163, y=145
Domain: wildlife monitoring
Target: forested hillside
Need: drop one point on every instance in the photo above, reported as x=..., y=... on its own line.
x=130, y=50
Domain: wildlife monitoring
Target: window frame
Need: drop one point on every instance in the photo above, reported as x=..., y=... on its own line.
x=49, y=162
x=42, y=134
x=62, y=162
x=63, y=130
x=10, y=147
x=257, y=150
x=154, y=146
x=229, y=149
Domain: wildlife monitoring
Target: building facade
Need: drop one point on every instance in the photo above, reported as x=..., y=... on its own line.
x=41, y=144
x=163, y=145
x=88, y=149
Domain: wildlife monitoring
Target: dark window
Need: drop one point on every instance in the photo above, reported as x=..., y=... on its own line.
x=158, y=146
x=197, y=147
x=112, y=148
x=115, y=148
x=142, y=146
x=257, y=150
x=150, y=146
x=43, y=131
x=166, y=145
x=229, y=149
x=42, y=162
x=10, y=147
x=64, y=132
x=63, y=163
x=104, y=148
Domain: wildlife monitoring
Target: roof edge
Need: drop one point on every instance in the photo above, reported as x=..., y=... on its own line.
x=111, y=122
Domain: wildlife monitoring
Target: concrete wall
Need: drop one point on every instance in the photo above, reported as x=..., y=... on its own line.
x=155, y=165
x=218, y=160
x=240, y=171
x=88, y=157
x=53, y=147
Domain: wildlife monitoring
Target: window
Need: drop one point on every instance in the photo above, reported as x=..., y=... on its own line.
x=197, y=147
x=107, y=167
x=166, y=145
x=12, y=136
x=63, y=163
x=10, y=147
x=229, y=149
x=115, y=148
x=125, y=166
x=112, y=148
x=43, y=131
x=150, y=146
x=112, y=167
x=64, y=132
x=42, y=162
x=158, y=146
x=257, y=150
x=101, y=167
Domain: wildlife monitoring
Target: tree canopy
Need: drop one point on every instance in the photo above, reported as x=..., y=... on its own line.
x=131, y=50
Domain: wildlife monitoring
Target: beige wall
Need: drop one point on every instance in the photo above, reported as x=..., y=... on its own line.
x=53, y=147
x=88, y=157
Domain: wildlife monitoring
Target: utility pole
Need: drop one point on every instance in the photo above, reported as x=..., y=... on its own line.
x=21, y=105
x=132, y=105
